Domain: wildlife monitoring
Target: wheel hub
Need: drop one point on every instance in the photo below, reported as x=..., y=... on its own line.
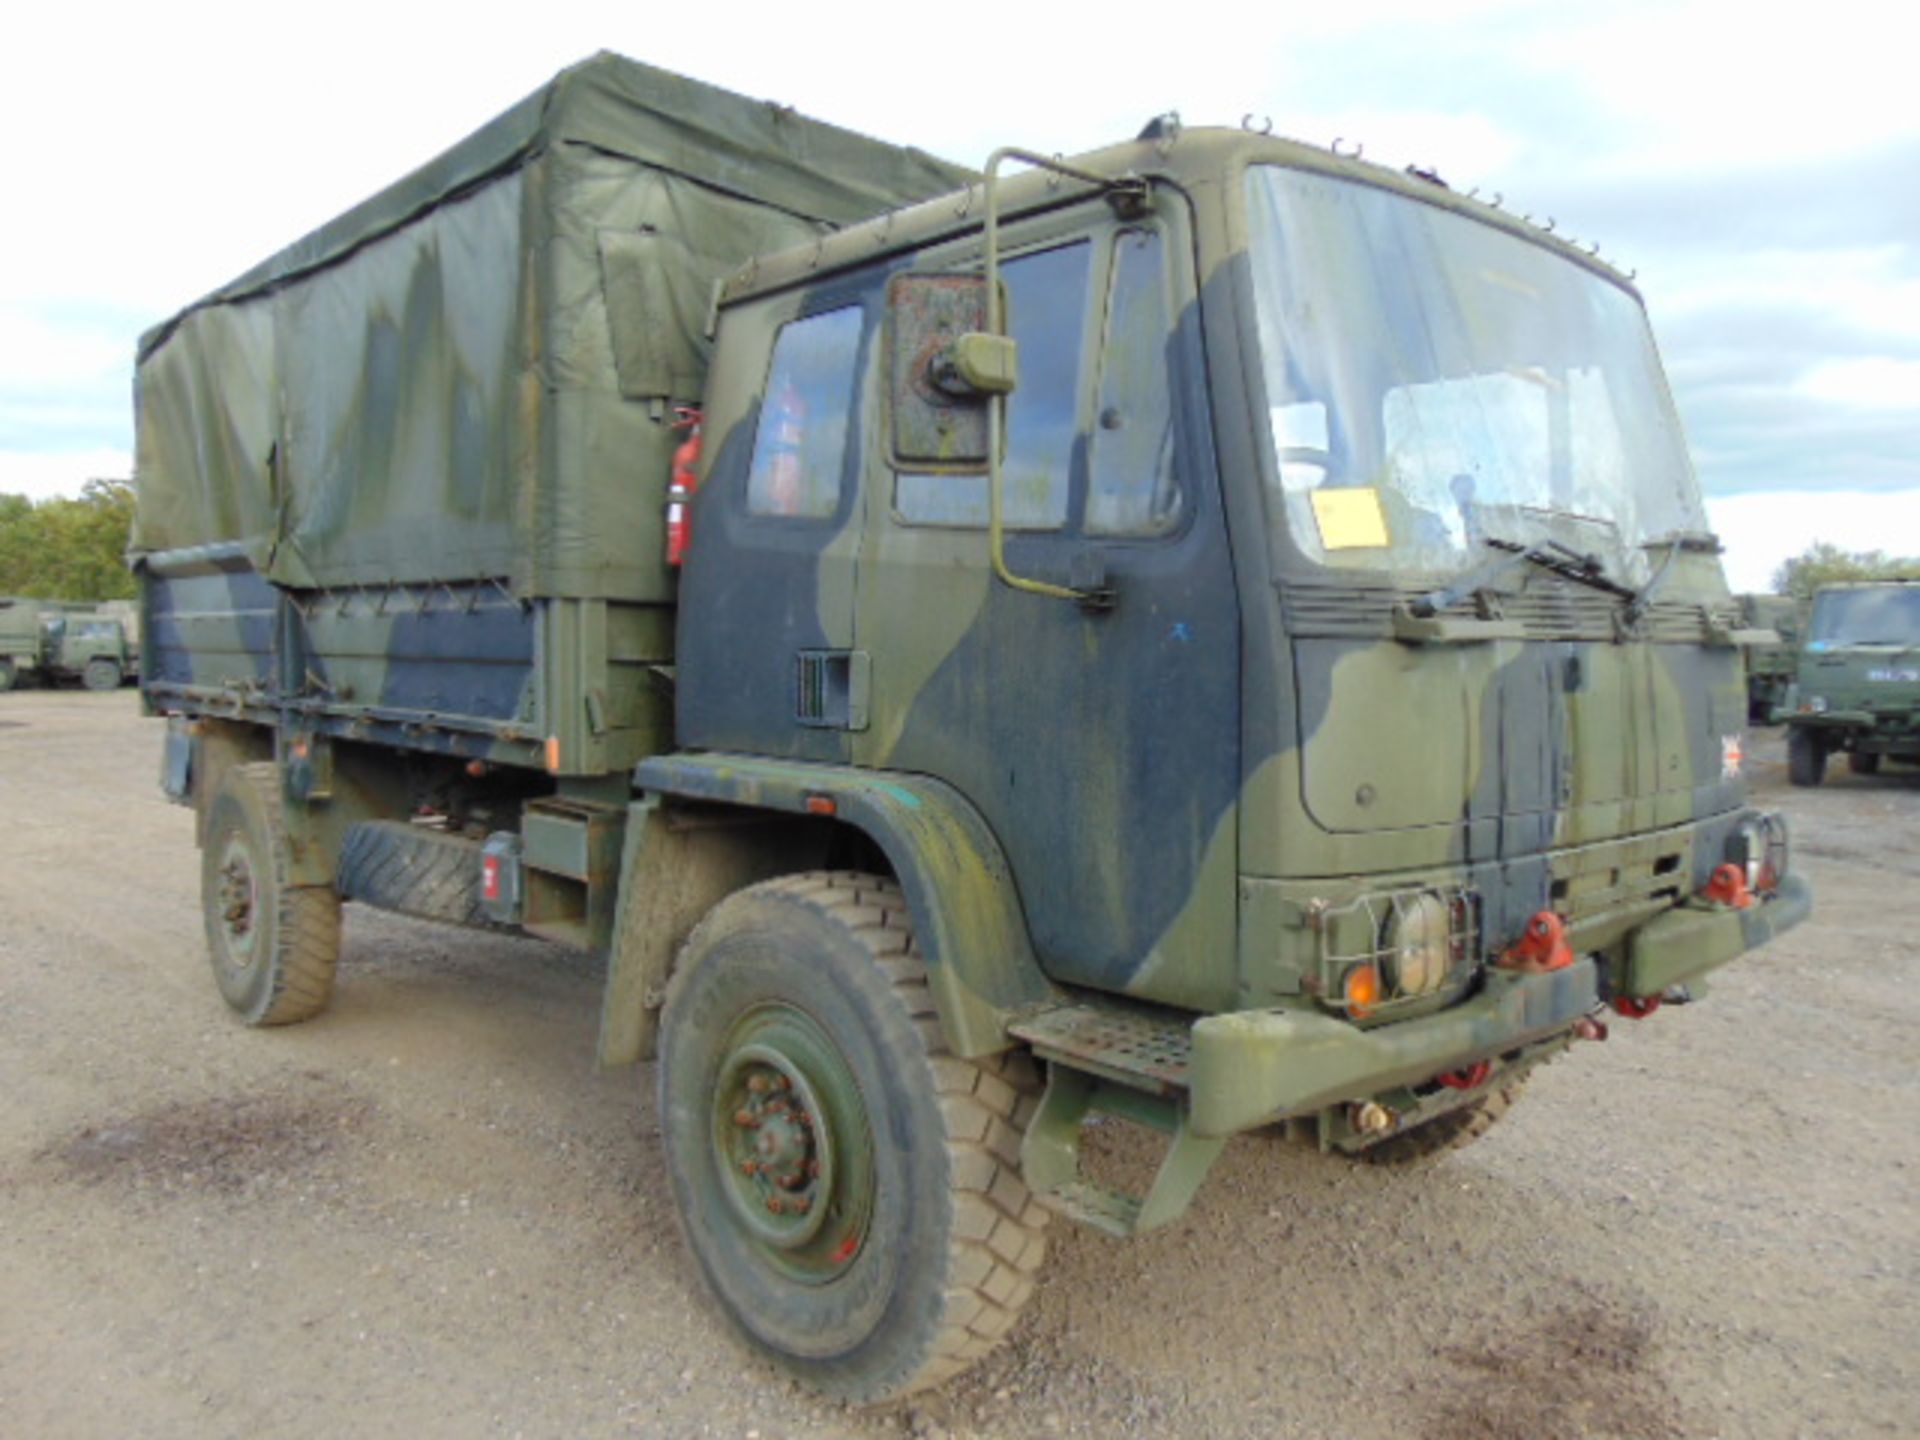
x=237, y=901
x=791, y=1142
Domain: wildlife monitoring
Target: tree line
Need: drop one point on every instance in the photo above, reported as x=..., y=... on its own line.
x=68, y=549
x=1823, y=564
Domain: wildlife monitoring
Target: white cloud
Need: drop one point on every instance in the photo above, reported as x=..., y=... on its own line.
x=44, y=476
x=1762, y=529
x=1871, y=384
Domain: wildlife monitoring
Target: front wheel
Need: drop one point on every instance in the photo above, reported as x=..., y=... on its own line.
x=100, y=675
x=851, y=1191
x=1806, y=757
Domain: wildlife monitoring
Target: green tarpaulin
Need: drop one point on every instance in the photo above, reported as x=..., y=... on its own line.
x=471, y=374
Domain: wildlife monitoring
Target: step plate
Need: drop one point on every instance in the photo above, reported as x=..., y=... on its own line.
x=1136, y=1049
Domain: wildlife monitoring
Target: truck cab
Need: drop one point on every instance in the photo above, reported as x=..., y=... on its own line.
x=1383, y=616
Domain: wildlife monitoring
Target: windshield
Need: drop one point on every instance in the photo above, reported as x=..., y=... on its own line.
x=1880, y=616
x=1432, y=381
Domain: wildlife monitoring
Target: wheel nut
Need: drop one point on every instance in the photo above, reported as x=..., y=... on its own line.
x=748, y=1167
x=801, y=1204
x=757, y=1084
x=774, y=1204
x=743, y=1117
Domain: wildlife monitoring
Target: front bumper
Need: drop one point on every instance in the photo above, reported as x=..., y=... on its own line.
x=1251, y=1067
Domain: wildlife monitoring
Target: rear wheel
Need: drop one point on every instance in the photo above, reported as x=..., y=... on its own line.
x=851, y=1191
x=1806, y=757
x=100, y=675
x=1862, y=764
x=7, y=674
x=273, y=944
x=1445, y=1132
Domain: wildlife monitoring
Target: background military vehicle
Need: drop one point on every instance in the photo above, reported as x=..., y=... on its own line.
x=1212, y=633
x=1857, y=687
x=1771, y=663
x=53, y=642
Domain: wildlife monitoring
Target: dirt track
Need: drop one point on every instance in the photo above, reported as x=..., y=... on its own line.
x=425, y=1214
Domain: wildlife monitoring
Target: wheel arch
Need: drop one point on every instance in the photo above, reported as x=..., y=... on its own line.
x=966, y=910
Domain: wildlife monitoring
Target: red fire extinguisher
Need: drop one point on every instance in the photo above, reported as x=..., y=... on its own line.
x=680, y=488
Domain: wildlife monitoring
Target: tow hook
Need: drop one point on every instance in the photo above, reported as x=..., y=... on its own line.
x=1635, y=1007
x=1588, y=1027
x=1470, y=1077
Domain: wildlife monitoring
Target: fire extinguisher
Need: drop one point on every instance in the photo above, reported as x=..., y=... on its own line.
x=680, y=488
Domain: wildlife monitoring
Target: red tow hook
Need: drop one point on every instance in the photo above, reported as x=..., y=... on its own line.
x=1471, y=1077
x=1543, y=946
x=1728, y=886
x=1588, y=1028
x=1635, y=1007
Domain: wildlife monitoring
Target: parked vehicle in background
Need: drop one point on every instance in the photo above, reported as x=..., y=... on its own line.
x=1856, y=690
x=1771, y=664
x=1213, y=633
x=51, y=642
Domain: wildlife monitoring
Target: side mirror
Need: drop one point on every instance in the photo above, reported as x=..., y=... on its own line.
x=944, y=368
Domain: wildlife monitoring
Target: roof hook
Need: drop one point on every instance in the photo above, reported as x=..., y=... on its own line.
x=1266, y=124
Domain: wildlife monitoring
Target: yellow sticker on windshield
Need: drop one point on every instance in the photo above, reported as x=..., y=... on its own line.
x=1350, y=518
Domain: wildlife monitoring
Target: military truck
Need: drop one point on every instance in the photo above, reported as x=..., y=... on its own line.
x=1857, y=688
x=1772, y=661
x=51, y=643
x=1212, y=633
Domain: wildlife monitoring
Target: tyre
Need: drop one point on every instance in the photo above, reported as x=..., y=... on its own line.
x=100, y=675
x=273, y=944
x=7, y=676
x=1861, y=764
x=1806, y=757
x=413, y=871
x=851, y=1191
x=1445, y=1132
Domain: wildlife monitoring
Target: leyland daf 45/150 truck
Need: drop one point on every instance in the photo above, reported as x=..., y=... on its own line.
x=1213, y=633
x=1857, y=686
x=51, y=642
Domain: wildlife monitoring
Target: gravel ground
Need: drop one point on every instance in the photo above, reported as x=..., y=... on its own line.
x=426, y=1214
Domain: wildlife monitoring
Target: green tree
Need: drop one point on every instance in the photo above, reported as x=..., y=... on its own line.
x=68, y=549
x=1823, y=564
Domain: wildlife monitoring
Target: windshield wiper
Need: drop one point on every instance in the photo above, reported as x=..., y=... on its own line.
x=1698, y=542
x=1562, y=560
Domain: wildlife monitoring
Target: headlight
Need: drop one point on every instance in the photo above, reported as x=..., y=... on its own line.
x=1419, y=944
x=1814, y=705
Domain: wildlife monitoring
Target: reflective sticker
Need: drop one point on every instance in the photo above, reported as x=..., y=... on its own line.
x=1732, y=757
x=1894, y=677
x=1350, y=518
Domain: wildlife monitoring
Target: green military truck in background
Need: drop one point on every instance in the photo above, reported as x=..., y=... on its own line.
x=1211, y=633
x=51, y=642
x=1857, y=686
x=1771, y=663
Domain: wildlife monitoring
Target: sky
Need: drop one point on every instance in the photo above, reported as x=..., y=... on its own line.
x=1757, y=167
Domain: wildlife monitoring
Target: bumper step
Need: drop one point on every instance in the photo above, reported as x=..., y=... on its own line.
x=1139, y=1048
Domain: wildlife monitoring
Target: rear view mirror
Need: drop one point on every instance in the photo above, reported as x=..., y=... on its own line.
x=944, y=368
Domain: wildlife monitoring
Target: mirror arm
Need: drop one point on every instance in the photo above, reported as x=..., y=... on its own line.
x=996, y=404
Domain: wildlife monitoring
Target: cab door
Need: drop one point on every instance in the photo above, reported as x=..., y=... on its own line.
x=766, y=662
x=1100, y=744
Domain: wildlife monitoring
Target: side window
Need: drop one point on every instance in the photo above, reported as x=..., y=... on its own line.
x=800, y=448
x=1131, y=490
x=1046, y=315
